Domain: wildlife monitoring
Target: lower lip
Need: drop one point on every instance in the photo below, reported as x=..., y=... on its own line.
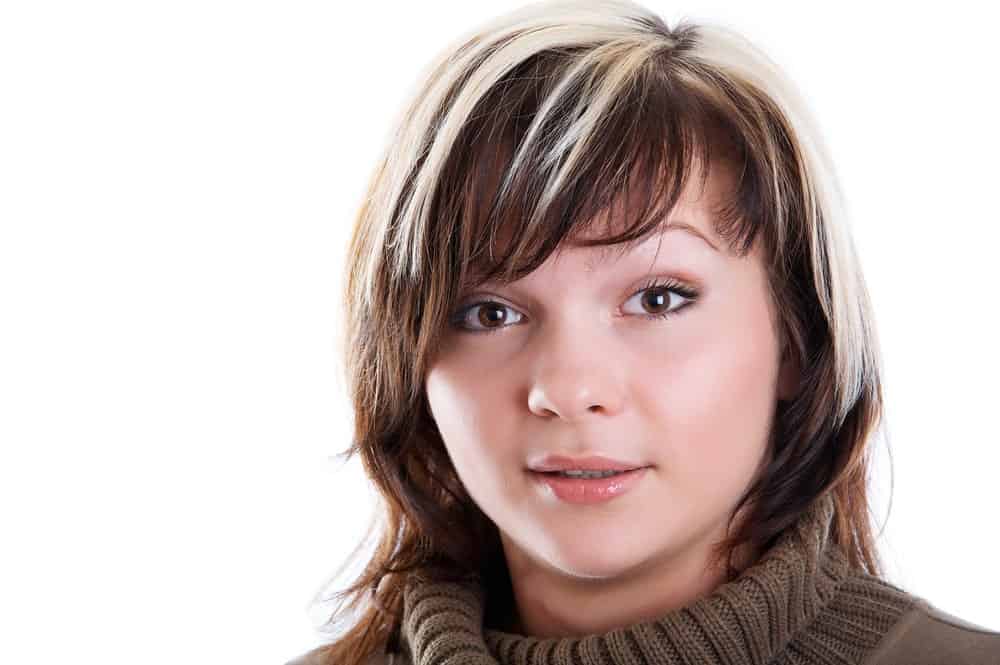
x=590, y=490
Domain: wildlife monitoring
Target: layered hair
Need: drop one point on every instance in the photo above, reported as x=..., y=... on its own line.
x=515, y=139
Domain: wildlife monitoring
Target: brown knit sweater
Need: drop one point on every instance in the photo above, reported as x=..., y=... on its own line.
x=800, y=603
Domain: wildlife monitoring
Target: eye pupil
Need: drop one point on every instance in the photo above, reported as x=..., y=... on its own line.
x=498, y=314
x=656, y=298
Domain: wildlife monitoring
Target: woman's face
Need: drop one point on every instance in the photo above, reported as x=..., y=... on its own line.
x=576, y=365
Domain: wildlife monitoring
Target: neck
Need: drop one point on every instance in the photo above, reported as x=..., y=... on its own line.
x=551, y=603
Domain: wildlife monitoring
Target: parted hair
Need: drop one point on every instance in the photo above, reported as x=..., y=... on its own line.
x=515, y=138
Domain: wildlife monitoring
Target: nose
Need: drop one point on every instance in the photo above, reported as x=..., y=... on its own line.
x=576, y=375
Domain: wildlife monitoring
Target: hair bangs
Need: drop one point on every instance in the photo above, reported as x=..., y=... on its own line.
x=516, y=198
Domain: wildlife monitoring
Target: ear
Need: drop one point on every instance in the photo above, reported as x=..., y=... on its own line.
x=789, y=374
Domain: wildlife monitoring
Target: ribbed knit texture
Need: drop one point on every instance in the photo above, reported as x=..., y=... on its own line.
x=800, y=603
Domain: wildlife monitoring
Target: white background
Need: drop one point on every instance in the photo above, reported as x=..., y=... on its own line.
x=177, y=181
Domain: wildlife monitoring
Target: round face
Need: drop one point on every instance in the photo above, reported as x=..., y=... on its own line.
x=583, y=357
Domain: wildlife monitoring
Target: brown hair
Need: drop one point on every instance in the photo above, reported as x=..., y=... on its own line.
x=521, y=134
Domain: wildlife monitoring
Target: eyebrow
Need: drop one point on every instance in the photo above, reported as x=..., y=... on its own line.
x=475, y=276
x=681, y=226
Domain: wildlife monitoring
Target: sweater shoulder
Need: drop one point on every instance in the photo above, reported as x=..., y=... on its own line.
x=871, y=621
x=927, y=635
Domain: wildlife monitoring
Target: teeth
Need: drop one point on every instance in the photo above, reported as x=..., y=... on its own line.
x=588, y=474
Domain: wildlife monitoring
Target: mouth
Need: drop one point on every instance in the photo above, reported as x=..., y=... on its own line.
x=587, y=474
x=574, y=465
x=588, y=487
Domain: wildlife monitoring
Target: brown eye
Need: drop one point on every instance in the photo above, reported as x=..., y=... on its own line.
x=656, y=300
x=662, y=299
x=485, y=317
x=491, y=314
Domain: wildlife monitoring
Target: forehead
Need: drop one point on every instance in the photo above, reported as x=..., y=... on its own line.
x=692, y=214
x=647, y=249
x=702, y=194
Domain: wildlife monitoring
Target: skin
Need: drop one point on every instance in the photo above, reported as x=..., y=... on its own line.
x=576, y=370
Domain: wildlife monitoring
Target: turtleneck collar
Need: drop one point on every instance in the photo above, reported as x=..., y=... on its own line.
x=750, y=619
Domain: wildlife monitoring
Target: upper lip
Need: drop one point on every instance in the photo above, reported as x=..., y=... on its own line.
x=590, y=463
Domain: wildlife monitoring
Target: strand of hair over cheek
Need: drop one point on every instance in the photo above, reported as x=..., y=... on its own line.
x=841, y=291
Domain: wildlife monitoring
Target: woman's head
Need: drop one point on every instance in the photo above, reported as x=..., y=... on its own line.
x=538, y=167
x=667, y=357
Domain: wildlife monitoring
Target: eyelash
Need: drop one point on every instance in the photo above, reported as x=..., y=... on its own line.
x=667, y=284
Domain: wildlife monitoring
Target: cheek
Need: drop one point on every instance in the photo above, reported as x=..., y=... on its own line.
x=478, y=433
x=468, y=412
x=712, y=397
x=714, y=376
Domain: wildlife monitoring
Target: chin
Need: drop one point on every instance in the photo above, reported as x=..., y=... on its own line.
x=581, y=558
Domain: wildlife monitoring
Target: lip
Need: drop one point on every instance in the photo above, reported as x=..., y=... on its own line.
x=590, y=490
x=589, y=463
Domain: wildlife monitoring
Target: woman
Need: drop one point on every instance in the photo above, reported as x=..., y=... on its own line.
x=613, y=366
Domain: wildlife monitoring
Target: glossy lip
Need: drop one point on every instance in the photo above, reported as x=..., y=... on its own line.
x=589, y=463
x=590, y=490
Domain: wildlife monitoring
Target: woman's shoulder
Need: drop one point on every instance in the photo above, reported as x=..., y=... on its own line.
x=927, y=635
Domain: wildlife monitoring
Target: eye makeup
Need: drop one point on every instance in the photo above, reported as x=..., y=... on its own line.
x=656, y=285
